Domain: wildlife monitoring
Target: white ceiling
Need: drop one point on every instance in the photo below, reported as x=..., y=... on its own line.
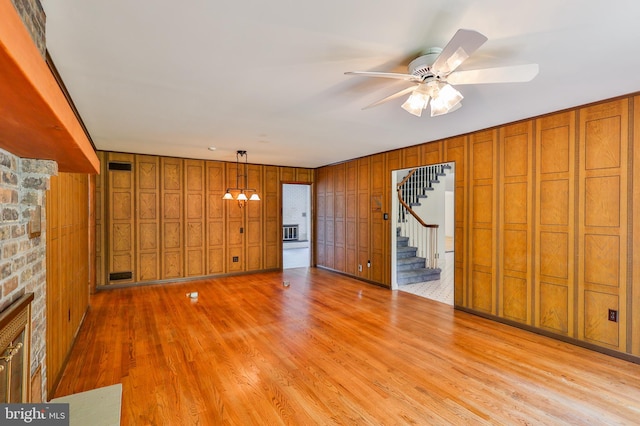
x=173, y=77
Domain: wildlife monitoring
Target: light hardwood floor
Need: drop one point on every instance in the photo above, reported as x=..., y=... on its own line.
x=333, y=350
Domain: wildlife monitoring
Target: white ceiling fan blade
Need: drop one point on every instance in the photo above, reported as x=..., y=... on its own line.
x=390, y=97
x=397, y=76
x=459, y=48
x=512, y=74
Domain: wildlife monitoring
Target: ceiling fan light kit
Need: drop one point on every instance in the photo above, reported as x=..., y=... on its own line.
x=444, y=98
x=434, y=73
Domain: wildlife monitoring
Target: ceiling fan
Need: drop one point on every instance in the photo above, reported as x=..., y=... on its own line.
x=434, y=75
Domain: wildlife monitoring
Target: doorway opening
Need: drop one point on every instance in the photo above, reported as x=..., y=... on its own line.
x=422, y=237
x=296, y=225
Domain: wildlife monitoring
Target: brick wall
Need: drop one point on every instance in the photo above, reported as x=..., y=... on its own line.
x=34, y=19
x=23, y=183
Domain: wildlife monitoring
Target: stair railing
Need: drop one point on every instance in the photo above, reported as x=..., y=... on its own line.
x=421, y=235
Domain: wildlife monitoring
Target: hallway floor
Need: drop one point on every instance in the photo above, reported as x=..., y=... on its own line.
x=441, y=290
x=296, y=257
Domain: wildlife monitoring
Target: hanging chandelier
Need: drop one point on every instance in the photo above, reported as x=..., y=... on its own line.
x=241, y=192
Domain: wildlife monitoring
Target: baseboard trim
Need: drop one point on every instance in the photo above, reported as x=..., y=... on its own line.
x=571, y=340
x=107, y=287
x=353, y=276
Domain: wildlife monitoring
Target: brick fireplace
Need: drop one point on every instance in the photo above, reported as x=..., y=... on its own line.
x=15, y=350
x=23, y=183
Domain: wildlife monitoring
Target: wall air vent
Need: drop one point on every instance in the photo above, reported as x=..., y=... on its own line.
x=117, y=276
x=120, y=166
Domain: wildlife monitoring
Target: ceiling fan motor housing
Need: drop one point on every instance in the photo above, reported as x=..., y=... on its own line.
x=421, y=66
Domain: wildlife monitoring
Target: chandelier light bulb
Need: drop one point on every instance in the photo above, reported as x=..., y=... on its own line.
x=241, y=176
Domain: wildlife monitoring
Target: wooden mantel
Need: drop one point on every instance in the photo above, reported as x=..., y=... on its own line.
x=36, y=120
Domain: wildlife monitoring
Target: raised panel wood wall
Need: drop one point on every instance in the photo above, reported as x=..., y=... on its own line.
x=377, y=240
x=67, y=267
x=411, y=156
x=634, y=304
x=339, y=212
x=234, y=229
x=482, y=210
x=319, y=223
x=350, y=197
x=393, y=161
x=120, y=213
x=365, y=200
x=272, y=254
x=329, y=216
x=254, y=214
x=287, y=174
x=555, y=235
x=515, y=284
x=177, y=222
x=215, y=211
x=602, y=222
x=351, y=218
x=455, y=150
x=172, y=217
x=547, y=220
x=148, y=217
x=194, y=218
x=433, y=153
x=304, y=175
x=101, y=223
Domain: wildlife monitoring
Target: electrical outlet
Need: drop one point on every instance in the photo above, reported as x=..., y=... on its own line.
x=236, y=259
x=368, y=264
x=359, y=268
x=613, y=315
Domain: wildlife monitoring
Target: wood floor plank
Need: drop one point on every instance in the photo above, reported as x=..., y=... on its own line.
x=332, y=350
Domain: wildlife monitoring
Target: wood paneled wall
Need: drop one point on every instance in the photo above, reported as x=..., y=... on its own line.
x=148, y=218
x=547, y=220
x=215, y=224
x=456, y=151
x=100, y=225
x=633, y=303
x=515, y=221
x=603, y=147
x=271, y=252
x=554, y=217
x=162, y=218
x=120, y=210
x=67, y=205
x=194, y=218
x=482, y=225
x=172, y=218
x=365, y=211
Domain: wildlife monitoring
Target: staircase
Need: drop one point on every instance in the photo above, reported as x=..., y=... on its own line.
x=419, y=184
x=411, y=268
